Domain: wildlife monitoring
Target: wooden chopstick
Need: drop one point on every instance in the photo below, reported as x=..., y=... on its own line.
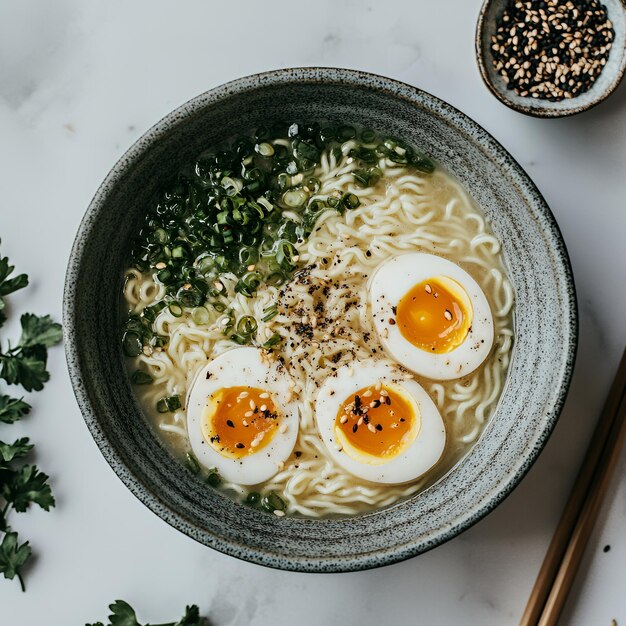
x=553, y=582
x=584, y=526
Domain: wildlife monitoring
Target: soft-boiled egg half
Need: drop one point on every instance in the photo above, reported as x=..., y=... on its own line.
x=378, y=425
x=431, y=315
x=241, y=418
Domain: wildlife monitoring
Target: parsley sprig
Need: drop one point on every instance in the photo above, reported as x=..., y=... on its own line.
x=122, y=614
x=24, y=364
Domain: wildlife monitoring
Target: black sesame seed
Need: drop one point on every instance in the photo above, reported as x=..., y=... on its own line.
x=355, y=428
x=556, y=49
x=239, y=445
x=230, y=423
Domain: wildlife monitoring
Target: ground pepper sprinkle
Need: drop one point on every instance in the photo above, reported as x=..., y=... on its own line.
x=551, y=49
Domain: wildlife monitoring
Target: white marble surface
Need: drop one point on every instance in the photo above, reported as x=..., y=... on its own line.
x=79, y=81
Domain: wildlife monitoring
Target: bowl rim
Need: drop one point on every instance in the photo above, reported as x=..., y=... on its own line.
x=540, y=112
x=330, y=564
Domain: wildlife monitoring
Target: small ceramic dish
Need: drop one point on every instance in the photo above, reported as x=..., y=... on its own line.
x=537, y=265
x=602, y=88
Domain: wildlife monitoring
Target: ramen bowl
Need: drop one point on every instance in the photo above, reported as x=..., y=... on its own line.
x=545, y=324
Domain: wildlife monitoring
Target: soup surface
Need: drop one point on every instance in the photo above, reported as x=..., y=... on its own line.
x=318, y=319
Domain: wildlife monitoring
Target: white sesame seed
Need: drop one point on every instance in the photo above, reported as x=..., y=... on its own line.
x=243, y=394
x=384, y=392
x=368, y=393
x=160, y=265
x=252, y=405
x=219, y=286
x=447, y=315
x=278, y=513
x=360, y=422
x=263, y=407
x=371, y=428
x=250, y=268
x=283, y=429
x=343, y=419
x=264, y=395
x=248, y=414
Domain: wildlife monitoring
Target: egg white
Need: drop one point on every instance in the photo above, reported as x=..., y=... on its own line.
x=243, y=367
x=420, y=456
x=392, y=280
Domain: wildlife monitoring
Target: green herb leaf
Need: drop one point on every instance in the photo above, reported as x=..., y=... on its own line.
x=122, y=614
x=39, y=331
x=7, y=285
x=25, y=486
x=15, y=450
x=26, y=368
x=13, y=557
x=12, y=409
x=191, y=617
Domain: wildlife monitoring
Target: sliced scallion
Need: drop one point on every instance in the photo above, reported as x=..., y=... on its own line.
x=272, y=341
x=270, y=313
x=246, y=326
x=265, y=149
x=200, y=315
x=295, y=198
x=175, y=309
x=139, y=377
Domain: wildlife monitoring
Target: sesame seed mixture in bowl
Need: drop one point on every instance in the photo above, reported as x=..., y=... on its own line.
x=551, y=58
x=553, y=49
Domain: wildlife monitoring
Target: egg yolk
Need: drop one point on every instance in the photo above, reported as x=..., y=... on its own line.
x=377, y=423
x=239, y=421
x=435, y=315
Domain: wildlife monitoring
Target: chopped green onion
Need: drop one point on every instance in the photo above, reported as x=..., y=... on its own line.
x=192, y=463
x=285, y=251
x=240, y=340
x=351, y=200
x=175, y=309
x=131, y=344
x=272, y=341
x=168, y=404
x=270, y=312
x=200, y=315
x=347, y=132
x=213, y=479
x=164, y=276
x=253, y=498
x=368, y=136
x=139, y=377
x=265, y=149
x=295, y=198
x=421, y=162
x=272, y=502
x=247, y=325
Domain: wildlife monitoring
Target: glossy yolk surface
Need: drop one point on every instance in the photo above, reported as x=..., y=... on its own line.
x=239, y=421
x=377, y=422
x=435, y=315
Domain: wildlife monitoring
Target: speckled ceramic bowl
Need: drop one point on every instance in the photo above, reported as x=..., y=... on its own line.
x=603, y=87
x=545, y=324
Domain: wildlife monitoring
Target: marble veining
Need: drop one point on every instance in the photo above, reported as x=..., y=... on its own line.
x=119, y=64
